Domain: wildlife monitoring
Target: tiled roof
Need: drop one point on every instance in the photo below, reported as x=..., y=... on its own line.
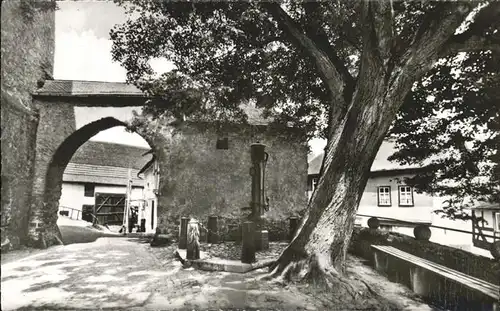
x=109, y=154
x=379, y=164
x=87, y=88
x=98, y=174
x=105, y=163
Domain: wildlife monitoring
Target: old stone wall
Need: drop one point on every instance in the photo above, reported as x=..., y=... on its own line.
x=18, y=136
x=28, y=45
x=465, y=262
x=54, y=146
x=199, y=180
x=27, y=58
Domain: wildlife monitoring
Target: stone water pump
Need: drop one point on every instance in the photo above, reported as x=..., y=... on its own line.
x=259, y=203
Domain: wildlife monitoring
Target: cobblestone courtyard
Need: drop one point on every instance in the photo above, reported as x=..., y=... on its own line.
x=123, y=273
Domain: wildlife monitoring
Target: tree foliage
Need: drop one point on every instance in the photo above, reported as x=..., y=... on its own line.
x=340, y=68
x=451, y=122
x=226, y=53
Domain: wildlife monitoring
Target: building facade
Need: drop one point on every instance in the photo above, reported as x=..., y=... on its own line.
x=488, y=231
x=400, y=208
x=204, y=170
x=386, y=196
x=27, y=60
x=95, y=182
x=150, y=173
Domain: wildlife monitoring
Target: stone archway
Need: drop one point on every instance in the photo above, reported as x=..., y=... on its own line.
x=54, y=176
x=58, y=138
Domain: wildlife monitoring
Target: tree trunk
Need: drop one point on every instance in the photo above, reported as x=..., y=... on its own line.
x=318, y=251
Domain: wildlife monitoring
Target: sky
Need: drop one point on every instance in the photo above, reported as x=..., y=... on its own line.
x=83, y=52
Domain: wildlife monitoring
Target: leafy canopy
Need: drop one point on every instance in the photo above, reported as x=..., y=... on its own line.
x=451, y=122
x=227, y=53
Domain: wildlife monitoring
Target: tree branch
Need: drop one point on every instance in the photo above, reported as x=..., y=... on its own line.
x=436, y=28
x=473, y=43
x=476, y=37
x=327, y=70
x=381, y=14
x=318, y=34
x=440, y=23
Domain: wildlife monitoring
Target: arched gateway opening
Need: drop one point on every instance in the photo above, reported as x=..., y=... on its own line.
x=62, y=131
x=105, y=177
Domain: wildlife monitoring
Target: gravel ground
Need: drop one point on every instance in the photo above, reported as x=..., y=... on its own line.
x=129, y=274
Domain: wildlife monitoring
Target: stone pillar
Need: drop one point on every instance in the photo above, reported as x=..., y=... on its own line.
x=381, y=261
x=264, y=239
x=160, y=239
x=193, y=241
x=420, y=281
x=183, y=233
x=248, y=243
x=373, y=223
x=294, y=224
x=213, y=230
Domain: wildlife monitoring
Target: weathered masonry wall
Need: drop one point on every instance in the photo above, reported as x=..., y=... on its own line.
x=445, y=293
x=56, y=124
x=27, y=58
x=28, y=45
x=199, y=180
x=18, y=146
x=465, y=262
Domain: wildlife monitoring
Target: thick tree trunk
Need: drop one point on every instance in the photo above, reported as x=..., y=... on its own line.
x=319, y=248
x=318, y=251
x=356, y=131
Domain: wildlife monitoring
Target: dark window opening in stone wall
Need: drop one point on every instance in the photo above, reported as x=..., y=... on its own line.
x=223, y=143
x=89, y=190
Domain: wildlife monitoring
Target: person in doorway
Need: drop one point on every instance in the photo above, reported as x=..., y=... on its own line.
x=143, y=218
x=132, y=221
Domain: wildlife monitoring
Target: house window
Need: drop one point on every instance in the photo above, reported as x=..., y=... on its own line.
x=497, y=220
x=222, y=143
x=384, y=196
x=405, y=196
x=89, y=190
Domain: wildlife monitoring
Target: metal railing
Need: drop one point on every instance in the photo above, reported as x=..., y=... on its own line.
x=431, y=226
x=79, y=214
x=70, y=212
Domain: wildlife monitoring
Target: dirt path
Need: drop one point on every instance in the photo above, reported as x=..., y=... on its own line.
x=129, y=274
x=380, y=284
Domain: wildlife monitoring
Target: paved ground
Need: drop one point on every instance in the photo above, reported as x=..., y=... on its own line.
x=129, y=274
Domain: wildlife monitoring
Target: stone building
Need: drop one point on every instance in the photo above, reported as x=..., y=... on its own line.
x=39, y=136
x=386, y=194
x=204, y=169
x=27, y=59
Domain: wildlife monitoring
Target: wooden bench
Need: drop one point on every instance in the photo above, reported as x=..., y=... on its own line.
x=420, y=267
